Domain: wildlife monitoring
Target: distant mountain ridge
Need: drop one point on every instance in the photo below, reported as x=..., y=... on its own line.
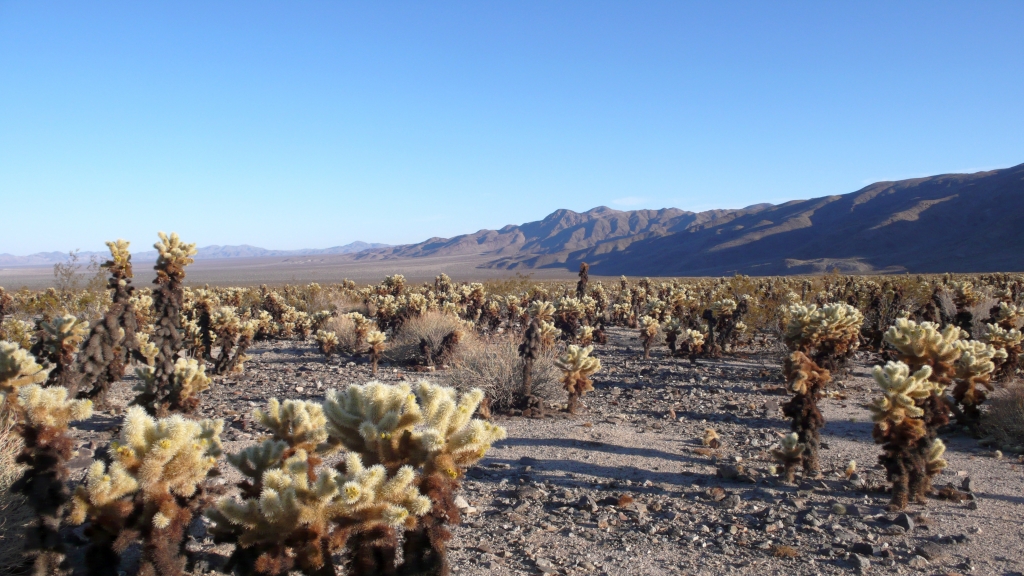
x=947, y=223
x=212, y=252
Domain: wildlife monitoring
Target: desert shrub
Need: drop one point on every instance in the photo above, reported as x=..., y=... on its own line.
x=431, y=329
x=1005, y=418
x=493, y=365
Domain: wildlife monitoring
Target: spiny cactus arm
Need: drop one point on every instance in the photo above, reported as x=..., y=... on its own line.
x=899, y=389
x=51, y=407
x=103, y=492
x=299, y=423
x=255, y=460
x=18, y=368
x=934, y=463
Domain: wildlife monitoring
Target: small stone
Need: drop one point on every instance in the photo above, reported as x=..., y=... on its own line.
x=918, y=562
x=965, y=485
x=545, y=565
x=461, y=503
x=860, y=562
x=300, y=389
x=838, y=509
x=931, y=551
x=905, y=521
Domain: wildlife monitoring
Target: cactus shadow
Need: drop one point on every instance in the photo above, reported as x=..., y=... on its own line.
x=595, y=446
x=547, y=471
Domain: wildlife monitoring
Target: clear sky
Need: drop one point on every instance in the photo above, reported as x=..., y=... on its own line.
x=313, y=124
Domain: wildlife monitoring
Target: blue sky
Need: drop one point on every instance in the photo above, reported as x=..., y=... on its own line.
x=313, y=124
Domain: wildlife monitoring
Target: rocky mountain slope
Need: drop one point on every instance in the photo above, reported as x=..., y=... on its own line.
x=948, y=223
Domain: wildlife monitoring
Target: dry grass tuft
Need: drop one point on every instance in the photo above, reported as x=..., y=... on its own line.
x=1005, y=418
x=782, y=551
x=493, y=365
x=432, y=327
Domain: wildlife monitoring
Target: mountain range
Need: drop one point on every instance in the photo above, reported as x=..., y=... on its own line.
x=946, y=223
x=205, y=253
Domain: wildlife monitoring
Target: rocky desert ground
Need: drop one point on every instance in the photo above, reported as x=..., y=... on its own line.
x=627, y=487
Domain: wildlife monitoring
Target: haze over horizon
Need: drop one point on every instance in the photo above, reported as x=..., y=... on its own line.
x=316, y=125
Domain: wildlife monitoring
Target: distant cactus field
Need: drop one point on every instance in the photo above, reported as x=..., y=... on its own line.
x=812, y=424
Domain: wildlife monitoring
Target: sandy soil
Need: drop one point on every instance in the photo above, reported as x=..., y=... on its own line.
x=555, y=497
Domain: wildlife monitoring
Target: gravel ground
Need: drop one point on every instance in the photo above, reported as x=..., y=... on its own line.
x=626, y=487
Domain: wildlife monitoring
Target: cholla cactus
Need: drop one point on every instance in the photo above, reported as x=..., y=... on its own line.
x=108, y=350
x=327, y=342
x=18, y=331
x=57, y=346
x=648, y=332
x=672, y=329
x=152, y=490
x=299, y=424
x=542, y=311
x=1010, y=342
x=234, y=336
x=569, y=314
x=722, y=317
x=302, y=516
x=974, y=371
x=806, y=380
x=549, y=335
x=44, y=417
x=710, y=438
x=529, y=351
x=924, y=344
x=188, y=380
x=585, y=335
x=581, y=286
x=900, y=427
x=1007, y=316
x=17, y=368
x=829, y=334
x=790, y=454
x=692, y=344
x=577, y=366
x=162, y=396
x=432, y=430
x=375, y=339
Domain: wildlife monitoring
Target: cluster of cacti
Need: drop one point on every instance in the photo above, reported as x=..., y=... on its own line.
x=149, y=493
x=577, y=366
x=326, y=341
x=406, y=450
x=18, y=368
x=188, y=380
x=1010, y=342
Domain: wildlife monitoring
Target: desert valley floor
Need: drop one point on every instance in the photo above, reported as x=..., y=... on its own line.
x=626, y=486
